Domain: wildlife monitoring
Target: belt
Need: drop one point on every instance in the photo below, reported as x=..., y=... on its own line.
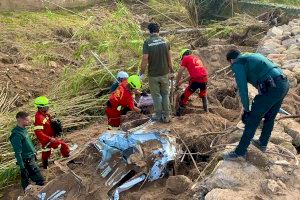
x=280, y=77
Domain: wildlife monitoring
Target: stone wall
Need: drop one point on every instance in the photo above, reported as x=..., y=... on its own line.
x=12, y=5
x=255, y=8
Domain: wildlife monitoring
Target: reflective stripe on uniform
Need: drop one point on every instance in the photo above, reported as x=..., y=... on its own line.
x=46, y=149
x=45, y=120
x=38, y=128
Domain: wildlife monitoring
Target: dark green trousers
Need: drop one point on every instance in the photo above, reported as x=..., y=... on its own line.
x=34, y=173
x=265, y=106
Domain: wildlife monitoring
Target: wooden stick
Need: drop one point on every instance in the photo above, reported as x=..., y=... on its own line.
x=189, y=152
x=289, y=117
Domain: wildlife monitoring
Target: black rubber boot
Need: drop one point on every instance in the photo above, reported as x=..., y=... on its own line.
x=45, y=164
x=179, y=111
x=205, y=104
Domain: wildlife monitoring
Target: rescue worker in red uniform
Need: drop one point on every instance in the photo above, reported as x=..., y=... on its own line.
x=121, y=100
x=198, y=77
x=45, y=133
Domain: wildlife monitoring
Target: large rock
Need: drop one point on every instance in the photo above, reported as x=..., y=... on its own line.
x=230, y=174
x=178, y=184
x=226, y=194
x=293, y=129
x=257, y=158
x=275, y=31
x=272, y=187
x=295, y=30
x=296, y=71
x=292, y=79
x=289, y=147
x=277, y=172
x=289, y=42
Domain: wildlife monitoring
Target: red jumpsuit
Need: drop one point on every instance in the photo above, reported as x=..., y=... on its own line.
x=198, y=78
x=45, y=135
x=119, y=100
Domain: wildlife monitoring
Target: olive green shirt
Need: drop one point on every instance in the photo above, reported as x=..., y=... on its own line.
x=157, y=48
x=22, y=145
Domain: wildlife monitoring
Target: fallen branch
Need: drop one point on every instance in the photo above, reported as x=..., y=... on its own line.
x=189, y=152
x=288, y=117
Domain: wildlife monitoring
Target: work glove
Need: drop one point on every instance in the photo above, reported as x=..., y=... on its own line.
x=245, y=116
x=24, y=173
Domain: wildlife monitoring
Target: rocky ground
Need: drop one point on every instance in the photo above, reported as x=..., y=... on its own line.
x=262, y=176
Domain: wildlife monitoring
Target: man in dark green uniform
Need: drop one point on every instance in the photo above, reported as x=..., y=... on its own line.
x=25, y=152
x=272, y=87
x=157, y=57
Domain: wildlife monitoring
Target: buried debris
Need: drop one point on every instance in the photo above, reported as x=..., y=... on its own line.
x=135, y=157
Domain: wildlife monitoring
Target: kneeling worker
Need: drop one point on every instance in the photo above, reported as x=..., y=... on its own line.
x=121, y=99
x=272, y=87
x=45, y=133
x=198, y=79
x=24, y=151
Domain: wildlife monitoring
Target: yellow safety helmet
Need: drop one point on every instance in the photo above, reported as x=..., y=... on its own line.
x=182, y=52
x=134, y=81
x=41, y=101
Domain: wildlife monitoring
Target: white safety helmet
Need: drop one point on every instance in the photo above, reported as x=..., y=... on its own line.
x=122, y=75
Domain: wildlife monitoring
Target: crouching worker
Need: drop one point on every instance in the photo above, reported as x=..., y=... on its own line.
x=272, y=87
x=121, y=100
x=121, y=76
x=198, y=78
x=24, y=151
x=45, y=131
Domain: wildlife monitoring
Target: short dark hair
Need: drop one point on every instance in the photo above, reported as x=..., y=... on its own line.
x=232, y=54
x=22, y=115
x=153, y=27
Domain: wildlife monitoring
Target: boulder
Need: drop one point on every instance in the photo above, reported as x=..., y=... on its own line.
x=275, y=31
x=293, y=129
x=272, y=187
x=289, y=42
x=291, y=65
x=291, y=78
x=295, y=30
x=178, y=184
x=257, y=158
x=289, y=147
x=24, y=67
x=276, y=56
x=231, y=174
x=277, y=172
x=226, y=194
x=296, y=71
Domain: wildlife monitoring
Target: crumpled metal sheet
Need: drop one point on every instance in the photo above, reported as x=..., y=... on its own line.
x=111, y=142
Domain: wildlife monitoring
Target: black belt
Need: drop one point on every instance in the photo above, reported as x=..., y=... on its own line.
x=269, y=83
x=280, y=77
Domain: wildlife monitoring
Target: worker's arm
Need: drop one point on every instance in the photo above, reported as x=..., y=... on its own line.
x=42, y=137
x=179, y=75
x=241, y=81
x=16, y=142
x=136, y=109
x=144, y=63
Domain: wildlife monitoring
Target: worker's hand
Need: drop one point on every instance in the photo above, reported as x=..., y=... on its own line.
x=245, y=116
x=24, y=173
